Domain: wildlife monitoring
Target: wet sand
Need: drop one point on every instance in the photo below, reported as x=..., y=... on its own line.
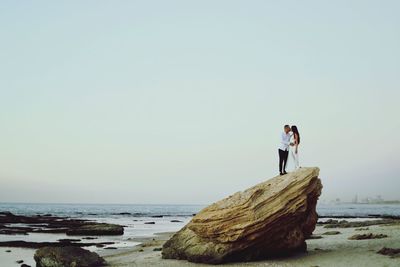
x=330, y=250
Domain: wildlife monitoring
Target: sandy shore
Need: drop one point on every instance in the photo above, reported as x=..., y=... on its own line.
x=330, y=250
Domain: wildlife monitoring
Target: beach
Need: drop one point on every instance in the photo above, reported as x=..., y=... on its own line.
x=330, y=250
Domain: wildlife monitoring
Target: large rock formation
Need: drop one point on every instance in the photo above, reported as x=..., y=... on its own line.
x=272, y=218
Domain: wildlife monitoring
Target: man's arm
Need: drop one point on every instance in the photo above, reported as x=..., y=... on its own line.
x=283, y=141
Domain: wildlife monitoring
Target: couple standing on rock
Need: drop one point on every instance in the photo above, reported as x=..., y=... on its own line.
x=290, y=139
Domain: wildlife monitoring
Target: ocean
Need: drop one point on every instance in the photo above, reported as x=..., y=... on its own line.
x=115, y=211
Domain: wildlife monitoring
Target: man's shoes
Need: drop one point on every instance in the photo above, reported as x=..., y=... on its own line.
x=281, y=173
x=284, y=172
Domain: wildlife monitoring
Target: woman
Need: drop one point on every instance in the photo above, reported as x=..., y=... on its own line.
x=295, y=147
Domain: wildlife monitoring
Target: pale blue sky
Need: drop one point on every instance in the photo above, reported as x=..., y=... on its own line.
x=184, y=101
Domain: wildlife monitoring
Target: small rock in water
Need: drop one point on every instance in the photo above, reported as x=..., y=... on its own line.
x=19, y=261
x=392, y=252
x=176, y=221
x=362, y=229
x=157, y=249
x=97, y=229
x=367, y=236
x=150, y=223
x=331, y=233
x=110, y=248
x=8, y=250
x=25, y=265
x=157, y=216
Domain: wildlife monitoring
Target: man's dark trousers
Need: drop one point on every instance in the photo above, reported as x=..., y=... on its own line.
x=283, y=156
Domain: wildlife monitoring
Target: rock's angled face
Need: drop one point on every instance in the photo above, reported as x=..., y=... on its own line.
x=271, y=218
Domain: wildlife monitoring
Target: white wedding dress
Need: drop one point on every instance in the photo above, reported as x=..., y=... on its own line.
x=295, y=155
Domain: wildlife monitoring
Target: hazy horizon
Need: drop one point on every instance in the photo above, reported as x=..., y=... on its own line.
x=183, y=102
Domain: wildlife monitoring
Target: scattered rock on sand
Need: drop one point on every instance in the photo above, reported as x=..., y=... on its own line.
x=67, y=256
x=150, y=223
x=97, y=229
x=367, y=236
x=235, y=228
x=347, y=224
x=54, y=224
x=331, y=233
x=29, y=244
x=392, y=252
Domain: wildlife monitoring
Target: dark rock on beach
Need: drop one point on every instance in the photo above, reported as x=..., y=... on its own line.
x=362, y=229
x=67, y=256
x=29, y=244
x=97, y=229
x=393, y=252
x=367, y=236
x=53, y=224
x=176, y=221
x=272, y=218
x=331, y=233
x=346, y=224
x=124, y=213
x=149, y=222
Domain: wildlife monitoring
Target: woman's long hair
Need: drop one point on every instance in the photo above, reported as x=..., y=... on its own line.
x=296, y=131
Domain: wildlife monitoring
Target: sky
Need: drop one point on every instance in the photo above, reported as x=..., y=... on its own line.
x=183, y=102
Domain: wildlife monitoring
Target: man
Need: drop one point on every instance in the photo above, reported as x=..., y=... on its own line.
x=284, y=149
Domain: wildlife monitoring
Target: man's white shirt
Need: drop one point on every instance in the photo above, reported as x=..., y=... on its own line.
x=285, y=141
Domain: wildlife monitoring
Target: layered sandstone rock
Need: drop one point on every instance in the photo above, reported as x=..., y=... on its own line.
x=271, y=218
